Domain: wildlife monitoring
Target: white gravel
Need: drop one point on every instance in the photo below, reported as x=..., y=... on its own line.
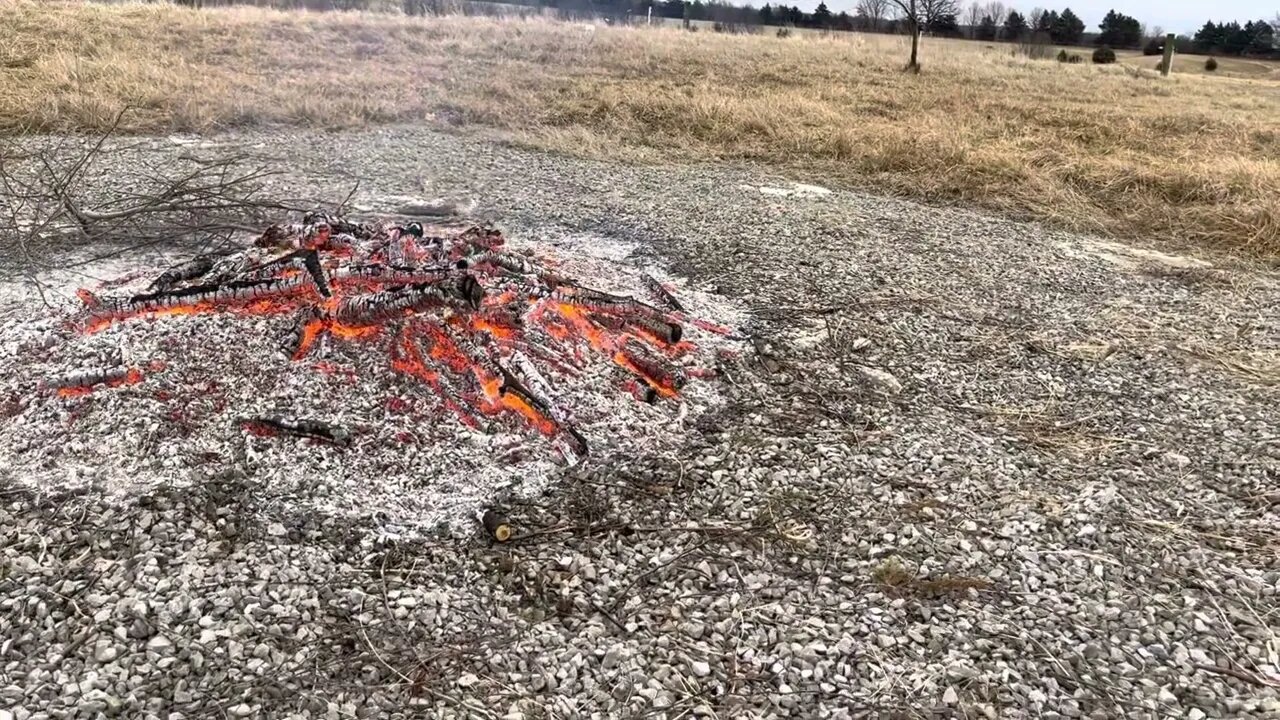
x=974, y=468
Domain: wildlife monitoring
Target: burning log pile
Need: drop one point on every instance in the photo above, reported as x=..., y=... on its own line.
x=458, y=312
x=439, y=323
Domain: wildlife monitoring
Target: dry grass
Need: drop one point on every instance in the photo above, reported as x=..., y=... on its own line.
x=1116, y=150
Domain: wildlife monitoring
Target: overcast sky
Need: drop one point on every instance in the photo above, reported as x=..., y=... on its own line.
x=1180, y=16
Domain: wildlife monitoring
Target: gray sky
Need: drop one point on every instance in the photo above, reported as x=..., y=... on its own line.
x=1180, y=16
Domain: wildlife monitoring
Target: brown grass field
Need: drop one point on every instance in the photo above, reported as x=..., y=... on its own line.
x=1189, y=160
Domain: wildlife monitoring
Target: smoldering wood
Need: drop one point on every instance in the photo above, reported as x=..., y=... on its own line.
x=299, y=427
x=87, y=378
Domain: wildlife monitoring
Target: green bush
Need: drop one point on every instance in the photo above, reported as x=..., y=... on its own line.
x=1062, y=56
x=1211, y=64
x=1154, y=46
x=784, y=32
x=1104, y=56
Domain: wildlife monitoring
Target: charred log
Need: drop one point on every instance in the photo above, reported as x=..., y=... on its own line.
x=406, y=299
x=496, y=525
x=189, y=270
x=665, y=379
x=510, y=262
x=307, y=259
x=667, y=332
x=298, y=427
x=306, y=329
x=85, y=380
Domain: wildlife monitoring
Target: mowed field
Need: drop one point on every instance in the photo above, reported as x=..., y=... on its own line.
x=1188, y=160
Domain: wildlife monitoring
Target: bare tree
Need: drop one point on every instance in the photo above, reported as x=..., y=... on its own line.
x=874, y=11
x=919, y=14
x=972, y=17
x=1034, y=18
x=997, y=11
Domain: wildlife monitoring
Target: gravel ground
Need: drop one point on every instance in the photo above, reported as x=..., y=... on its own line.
x=974, y=468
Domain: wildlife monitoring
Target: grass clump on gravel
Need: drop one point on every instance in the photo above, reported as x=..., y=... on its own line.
x=1099, y=149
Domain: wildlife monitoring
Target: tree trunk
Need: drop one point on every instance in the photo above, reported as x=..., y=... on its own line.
x=914, y=64
x=913, y=19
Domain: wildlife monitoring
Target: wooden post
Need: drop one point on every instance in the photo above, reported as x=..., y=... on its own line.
x=1166, y=65
x=649, y=19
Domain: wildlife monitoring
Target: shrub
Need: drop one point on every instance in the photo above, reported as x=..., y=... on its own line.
x=1154, y=46
x=1062, y=56
x=1104, y=56
x=784, y=32
x=1075, y=59
x=1211, y=64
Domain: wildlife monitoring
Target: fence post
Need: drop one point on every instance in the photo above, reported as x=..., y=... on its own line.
x=1166, y=65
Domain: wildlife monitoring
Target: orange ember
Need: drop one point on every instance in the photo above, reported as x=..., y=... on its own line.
x=410, y=362
x=310, y=333
x=353, y=332
x=658, y=384
x=544, y=424
x=498, y=331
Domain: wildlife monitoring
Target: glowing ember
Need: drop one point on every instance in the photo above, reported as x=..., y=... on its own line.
x=484, y=330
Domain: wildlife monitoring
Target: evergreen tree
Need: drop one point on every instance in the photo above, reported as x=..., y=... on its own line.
x=766, y=15
x=1209, y=38
x=1261, y=38
x=1047, y=21
x=1067, y=28
x=822, y=16
x=1235, y=39
x=1015, y=26
x=987, y=29
x=1119, y=30
x=945, y=25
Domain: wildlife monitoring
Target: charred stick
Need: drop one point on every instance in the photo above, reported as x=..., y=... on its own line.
x=662, y=294
x=299, y=427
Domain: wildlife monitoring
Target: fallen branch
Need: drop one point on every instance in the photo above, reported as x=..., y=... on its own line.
x=1246, y=676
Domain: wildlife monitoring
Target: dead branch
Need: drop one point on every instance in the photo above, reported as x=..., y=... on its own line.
x=89, y=198
x=1249, y=677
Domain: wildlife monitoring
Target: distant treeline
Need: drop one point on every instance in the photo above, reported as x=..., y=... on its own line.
x=992, y=21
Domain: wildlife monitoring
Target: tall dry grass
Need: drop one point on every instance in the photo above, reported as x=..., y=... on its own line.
x=1112, y=150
